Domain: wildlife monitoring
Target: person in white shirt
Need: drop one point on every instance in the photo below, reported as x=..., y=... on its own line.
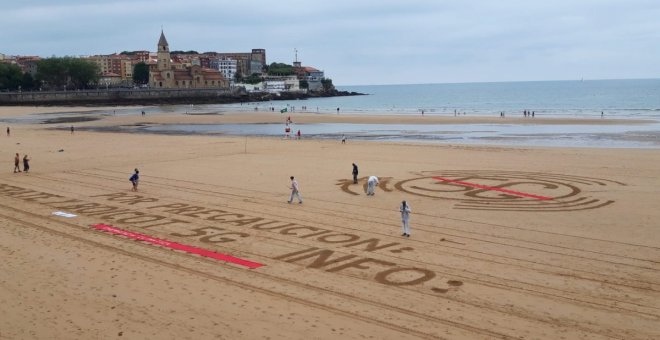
x=371, y=185
x=294, y=191
x=405, y=218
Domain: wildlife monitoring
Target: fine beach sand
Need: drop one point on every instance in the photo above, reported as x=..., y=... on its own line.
x=534, y=243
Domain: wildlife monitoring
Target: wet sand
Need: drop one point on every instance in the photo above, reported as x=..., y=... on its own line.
x=234, y=117
x=540, y=243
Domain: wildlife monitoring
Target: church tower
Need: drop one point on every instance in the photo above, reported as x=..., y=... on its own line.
x=164, y=60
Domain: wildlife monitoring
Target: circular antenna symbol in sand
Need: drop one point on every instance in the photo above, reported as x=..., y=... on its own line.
x=509, y=190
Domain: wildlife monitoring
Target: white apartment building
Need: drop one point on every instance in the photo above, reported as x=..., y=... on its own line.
x=226, y=66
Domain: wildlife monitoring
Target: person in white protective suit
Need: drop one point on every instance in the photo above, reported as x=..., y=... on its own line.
x=405, y=218
x=294, y=191
x=371, y=185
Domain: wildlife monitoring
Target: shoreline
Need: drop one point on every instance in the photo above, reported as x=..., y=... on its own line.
x=387, y=128
x=236, y=117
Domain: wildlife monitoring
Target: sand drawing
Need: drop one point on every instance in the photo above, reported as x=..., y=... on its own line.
x=498, y=190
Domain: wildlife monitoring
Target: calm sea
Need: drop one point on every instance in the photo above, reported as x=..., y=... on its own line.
x=618, y=98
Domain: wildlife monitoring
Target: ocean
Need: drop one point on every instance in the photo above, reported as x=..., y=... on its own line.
x=615, y=98
x=589, y=99
x=622, y=100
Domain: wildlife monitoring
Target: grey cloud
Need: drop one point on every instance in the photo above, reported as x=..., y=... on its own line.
x=363, y=42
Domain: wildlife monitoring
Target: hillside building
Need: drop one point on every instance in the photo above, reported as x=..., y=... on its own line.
x=163, y=73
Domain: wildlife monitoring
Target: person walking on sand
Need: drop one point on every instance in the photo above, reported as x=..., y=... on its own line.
x=26, y=163
x=343, y=139
x=294, y=191
x=17, y=161
x=71, y=129
x=8, y=131
x=298, y=135
x=405, y=218
x=355, y=173
x=371, y=185
x=135, y=179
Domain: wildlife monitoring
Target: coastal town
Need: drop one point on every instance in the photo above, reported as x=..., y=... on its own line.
x=170, y=69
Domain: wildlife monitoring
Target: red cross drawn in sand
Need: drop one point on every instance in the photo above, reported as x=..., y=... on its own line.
x=481, y=186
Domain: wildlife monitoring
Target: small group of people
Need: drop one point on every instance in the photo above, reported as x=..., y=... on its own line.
x=287, y=130
x=372, y=182
x=17, y=162
x=404, y=209
x=527, y=113
x=287, y=133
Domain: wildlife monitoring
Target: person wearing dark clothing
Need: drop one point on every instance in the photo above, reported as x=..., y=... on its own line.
x=355, y=173
x=135, y=179
x=26, y=163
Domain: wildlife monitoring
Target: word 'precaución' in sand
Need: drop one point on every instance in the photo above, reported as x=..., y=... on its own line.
x=190, y=216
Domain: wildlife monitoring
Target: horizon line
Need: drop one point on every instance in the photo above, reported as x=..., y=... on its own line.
x=502, y=81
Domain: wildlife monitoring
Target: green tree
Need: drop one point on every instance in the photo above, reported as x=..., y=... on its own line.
x=10, y=77
x=280, y=69
x=327, y=84
x=27, y=82
x=253, y=79
x=56, y=73
x=141, y=73
x=52, y=72
x=304, y=84
x=82, y=72
x=238, y=77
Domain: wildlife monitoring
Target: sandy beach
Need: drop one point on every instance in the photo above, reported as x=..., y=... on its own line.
x=506, y=243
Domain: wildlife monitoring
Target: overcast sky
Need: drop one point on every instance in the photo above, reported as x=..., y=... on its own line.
x=361, y=42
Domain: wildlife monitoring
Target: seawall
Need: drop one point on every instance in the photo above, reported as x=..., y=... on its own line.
x=150, y=97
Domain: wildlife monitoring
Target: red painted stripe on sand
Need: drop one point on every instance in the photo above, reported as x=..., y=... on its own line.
x=177, y=246
x=480, y=186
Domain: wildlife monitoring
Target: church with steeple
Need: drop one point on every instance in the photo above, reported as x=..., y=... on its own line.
x=168, y=75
